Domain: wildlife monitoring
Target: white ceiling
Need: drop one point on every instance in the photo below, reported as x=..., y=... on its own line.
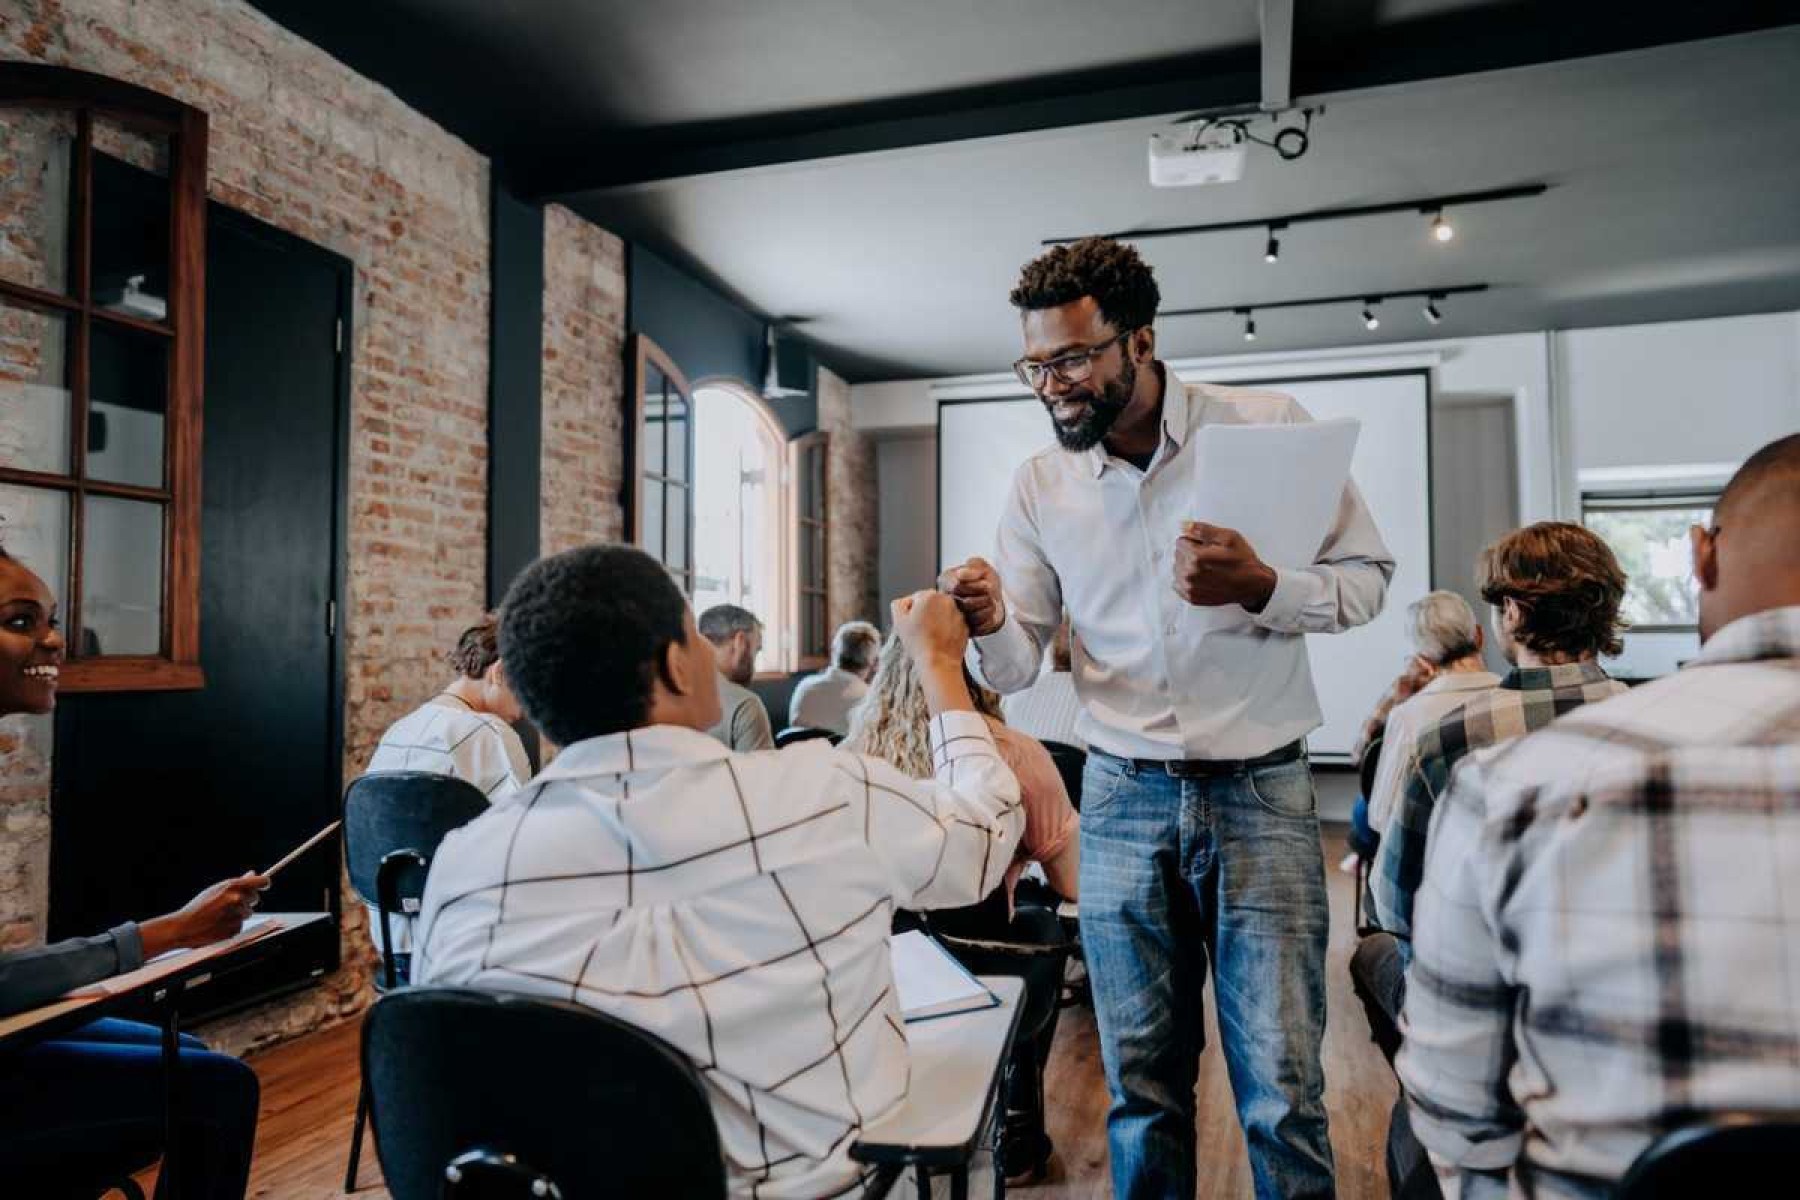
x=1675, y=192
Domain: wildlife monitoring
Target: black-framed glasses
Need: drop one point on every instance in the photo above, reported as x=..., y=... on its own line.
x=1077, y=366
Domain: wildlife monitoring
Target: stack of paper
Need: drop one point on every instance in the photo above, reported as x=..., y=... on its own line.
x=932, y=984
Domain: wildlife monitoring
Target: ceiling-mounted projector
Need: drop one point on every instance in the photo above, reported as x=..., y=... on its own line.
x=1190, y=156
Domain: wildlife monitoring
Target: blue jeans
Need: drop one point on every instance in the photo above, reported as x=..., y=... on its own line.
x=87, y=1109
x=1177, y=873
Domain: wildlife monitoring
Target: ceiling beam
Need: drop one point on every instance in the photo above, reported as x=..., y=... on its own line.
x=1277, y=19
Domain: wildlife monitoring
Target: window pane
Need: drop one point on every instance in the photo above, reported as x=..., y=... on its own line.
x=34, y=403
x=1652, y=547
x=680, y=448
x=808, y=570
x=820, y=635
x=653, y=420
x=817, y=578
x=653, y=519
x=677, y=548
x=816, y=464
x=128, y=396
x=34, y=528
x=121, y=577
x=37, y=148
x=131, y=223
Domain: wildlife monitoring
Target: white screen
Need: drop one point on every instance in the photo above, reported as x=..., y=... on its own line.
x=981, y=443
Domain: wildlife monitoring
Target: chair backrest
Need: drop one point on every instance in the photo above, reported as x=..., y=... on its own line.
x=573, y=1096
x=805, y=733
x=1738, y=1154
x=1371, y=759
x=386, y=811
x=1070, y=762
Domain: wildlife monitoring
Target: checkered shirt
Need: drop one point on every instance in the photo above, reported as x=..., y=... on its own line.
x=735, y=905
x=1608, y=937
x=1528, y=698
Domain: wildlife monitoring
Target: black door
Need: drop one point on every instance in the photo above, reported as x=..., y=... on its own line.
x=157, y=794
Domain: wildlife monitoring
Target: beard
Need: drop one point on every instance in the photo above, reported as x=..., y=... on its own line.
x=1100, y=411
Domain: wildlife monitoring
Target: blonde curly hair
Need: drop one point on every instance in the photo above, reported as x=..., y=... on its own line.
x=892, y=722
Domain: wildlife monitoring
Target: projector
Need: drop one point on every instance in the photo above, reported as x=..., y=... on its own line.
x=1187, y=158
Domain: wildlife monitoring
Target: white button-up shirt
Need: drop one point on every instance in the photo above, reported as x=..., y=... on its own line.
x=1092, y=533
x=735, y=905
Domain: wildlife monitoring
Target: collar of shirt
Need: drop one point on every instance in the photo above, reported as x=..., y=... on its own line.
x=653, y=747
x=1773, y=633
x=1461, y=681
x=1175, y=416
x=1558, y=675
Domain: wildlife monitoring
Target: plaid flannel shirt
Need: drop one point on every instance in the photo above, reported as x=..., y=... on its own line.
x=1608, y=935
x=1528, y=698
x=735, y=905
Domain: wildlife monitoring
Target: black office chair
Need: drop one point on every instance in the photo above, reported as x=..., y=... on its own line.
x=393, y=822
x=1071, y=762
x=483, y=1095
x=805, y=733
x=1733, y=1154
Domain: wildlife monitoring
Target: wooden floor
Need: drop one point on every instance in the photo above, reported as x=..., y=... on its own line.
x=309, y=1095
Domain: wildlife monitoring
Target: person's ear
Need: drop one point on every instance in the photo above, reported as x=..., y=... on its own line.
x=1706, y=558
x=672, y=669
x=1142, y=344
x=1480, y=637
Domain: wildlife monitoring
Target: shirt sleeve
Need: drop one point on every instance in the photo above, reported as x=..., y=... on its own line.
x=1050, y=819
x=1008, y=660
x=29, y=978
x=750, y=727
x=1397, y=763
x=1400, y=860
x=1457, y=1018
x=1347, y=582
x=945, y=841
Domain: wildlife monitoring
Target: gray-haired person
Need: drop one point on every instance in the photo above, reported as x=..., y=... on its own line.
x=824, y=701
x=736, y=635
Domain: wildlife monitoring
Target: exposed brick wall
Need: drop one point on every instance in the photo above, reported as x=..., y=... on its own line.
x=299, y=140
x=584, y=340
x=851, y=497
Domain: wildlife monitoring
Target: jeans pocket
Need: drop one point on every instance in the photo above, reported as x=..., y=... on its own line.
x=1101, y=783
x=1285, y=789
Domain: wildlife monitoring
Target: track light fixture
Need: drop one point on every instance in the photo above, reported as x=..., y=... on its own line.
x=1272, y=251
x=1429, y=206
x=1370, y=302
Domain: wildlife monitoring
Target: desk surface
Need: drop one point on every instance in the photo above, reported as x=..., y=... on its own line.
x=956, y=1067
x=72, y=1012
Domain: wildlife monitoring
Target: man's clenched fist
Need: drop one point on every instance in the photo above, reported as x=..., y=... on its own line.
x=975, y=586
x=1215, y=566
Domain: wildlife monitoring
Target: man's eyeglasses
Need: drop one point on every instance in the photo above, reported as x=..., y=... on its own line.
x=1077, y=366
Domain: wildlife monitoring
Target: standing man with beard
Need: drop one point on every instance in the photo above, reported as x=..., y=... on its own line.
x=1199, y=831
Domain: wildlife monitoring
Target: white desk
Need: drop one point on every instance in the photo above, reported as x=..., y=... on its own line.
x=957, y=1065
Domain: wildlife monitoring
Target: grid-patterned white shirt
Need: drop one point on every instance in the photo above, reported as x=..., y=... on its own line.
x=736, y=905
x=1093, y=534
x=446, y=737
x=1607, y=939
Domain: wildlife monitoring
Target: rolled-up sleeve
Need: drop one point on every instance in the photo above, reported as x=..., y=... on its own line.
x=29, y=978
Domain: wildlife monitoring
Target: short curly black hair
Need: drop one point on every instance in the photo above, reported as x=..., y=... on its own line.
x=583, y=635
x=1120, y=282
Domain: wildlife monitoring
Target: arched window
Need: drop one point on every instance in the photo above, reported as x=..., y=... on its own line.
x=740, y=453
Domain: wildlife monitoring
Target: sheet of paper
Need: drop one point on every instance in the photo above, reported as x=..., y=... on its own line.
x=175, y=960
x=1277, y=485
x=928, y=980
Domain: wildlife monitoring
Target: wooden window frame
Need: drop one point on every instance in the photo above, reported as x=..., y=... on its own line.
x=33, y=86
x=803, y=525
x=641, y=354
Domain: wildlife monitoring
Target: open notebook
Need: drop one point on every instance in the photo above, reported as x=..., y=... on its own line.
x=932, y=984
